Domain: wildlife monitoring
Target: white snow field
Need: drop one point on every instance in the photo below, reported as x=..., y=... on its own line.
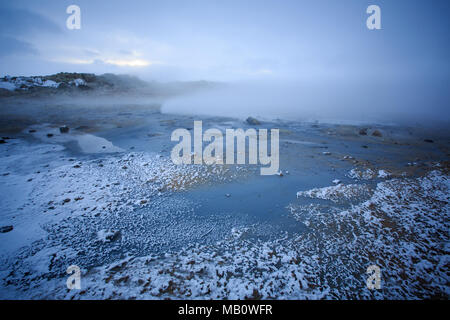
x=401, y=226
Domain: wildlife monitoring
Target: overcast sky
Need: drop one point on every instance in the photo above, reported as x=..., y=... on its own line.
x=226, y=40
x=311, y=58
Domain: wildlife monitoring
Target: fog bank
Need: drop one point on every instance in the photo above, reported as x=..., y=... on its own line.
x=393, y=101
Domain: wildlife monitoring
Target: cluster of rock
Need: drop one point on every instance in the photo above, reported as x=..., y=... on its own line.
x=24, y=85
x=106, y=84
x=68, y=82
x=375, y=133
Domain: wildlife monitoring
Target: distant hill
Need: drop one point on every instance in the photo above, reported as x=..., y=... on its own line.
x=87, y=83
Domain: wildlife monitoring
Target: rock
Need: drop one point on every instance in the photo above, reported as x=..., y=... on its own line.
x=66, y=200
x=6, y=229
x=31, y=131
x=428, y=140
x=49, y=135
x=280, y=173
x=2, y=141
x=228, y=195
x=383, y=174
x=64, y=129
x=363, y=132
x=377, y=133
x=109, y=235
x=365, y=147
x=143, y=201
x=252, y=121
x=153, y=134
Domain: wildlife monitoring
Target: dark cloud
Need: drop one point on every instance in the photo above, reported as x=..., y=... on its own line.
x=18, y=25
x=22, y=22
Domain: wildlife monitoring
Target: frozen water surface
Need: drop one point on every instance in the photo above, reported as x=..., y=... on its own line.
x=107, y=197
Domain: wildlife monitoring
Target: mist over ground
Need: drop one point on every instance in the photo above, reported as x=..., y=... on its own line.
x=305, y=60
x=409, y=102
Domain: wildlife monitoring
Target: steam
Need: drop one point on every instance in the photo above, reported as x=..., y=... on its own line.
x=331, y=100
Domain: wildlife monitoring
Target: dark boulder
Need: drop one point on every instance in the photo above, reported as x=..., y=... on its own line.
x=5, y=229
x=252, y=121
x=377, y=133
x=64, y=129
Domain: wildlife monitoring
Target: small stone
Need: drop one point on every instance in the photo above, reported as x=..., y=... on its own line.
x=77, y=166
x=49, y=135
x=365, y=147
x=6, y=229
x=227, y=195
x=109, y=235
x=2, y=141
x=363, y=132
x=253, y=121
x=428, y=140
x=143, y=201
x=66, y=200
x=377, y=133
x=31, y=131
x=64, y=129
